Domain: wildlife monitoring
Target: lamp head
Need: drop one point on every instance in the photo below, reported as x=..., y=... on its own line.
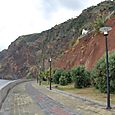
x=105, y=33
x=50, y=60
x=105, y=30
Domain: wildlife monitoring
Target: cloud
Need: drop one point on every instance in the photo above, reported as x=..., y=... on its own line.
x=78, y=4
x=48, y=7
x=51, y=6
x=19, y=17
x=72, y=4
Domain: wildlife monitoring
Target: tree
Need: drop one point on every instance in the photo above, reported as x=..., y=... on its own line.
x=58, y=73
x=81, y=77
x=99, y=74
x=63, y=80
x=98, y=23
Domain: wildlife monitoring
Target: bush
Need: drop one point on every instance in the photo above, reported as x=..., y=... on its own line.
x=63, y=80
x=99, y=74
x=99, y=22
x=60, y=72
x=57, y=75
x=81, y=77
x=68, y=76
x=29, y=75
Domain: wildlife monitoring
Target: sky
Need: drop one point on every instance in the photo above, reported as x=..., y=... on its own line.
x=21, y=17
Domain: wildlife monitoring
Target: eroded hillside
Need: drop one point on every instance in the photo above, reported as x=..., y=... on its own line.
x=88, y=50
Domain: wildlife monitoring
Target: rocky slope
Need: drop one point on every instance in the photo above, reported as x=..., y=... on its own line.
x=28, y=52
x=89, y=49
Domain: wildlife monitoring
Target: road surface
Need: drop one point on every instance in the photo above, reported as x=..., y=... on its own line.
x=31, y=99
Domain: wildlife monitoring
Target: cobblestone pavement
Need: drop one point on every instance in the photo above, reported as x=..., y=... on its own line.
x=31, y=99
x=18, y=102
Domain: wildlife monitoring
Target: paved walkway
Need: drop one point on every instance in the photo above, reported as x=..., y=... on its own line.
x=31, y=99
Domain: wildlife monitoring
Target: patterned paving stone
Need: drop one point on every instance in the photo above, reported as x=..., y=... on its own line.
x=48, y=105
x=31, y=99
x=18, y=102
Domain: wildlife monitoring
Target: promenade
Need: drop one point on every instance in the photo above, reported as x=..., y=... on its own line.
x=31, y=99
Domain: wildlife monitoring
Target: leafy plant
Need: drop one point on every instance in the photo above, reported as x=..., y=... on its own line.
x=98, y=23
x=99, y=74
x=29, y=75
x=81, y=77
x=60, y=72
x=57, y=75
x=68, y=76
x=63, y=80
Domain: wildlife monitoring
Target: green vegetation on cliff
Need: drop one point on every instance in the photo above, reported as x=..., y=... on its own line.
x=33, y=50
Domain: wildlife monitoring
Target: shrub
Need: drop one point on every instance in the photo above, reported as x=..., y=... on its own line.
x=41, y=75
x=63, y=80
x=57, y=75
x=81, y=77
x=68, y=76
x=29, y=75
x=98, y=23
x=99, y=74
x=60, y=72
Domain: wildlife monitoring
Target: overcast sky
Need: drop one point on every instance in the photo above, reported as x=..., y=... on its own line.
x=20, y=17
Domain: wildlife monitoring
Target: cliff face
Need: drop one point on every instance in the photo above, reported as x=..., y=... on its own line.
x=89, y=49
x=28, y=52
x=16, y=61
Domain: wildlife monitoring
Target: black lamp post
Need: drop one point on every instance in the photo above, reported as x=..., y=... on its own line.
x=37, y=78
x=40, y=75
x=105, y=31
x=50, y=60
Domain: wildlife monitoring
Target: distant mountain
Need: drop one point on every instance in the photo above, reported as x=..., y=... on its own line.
x=28, y=52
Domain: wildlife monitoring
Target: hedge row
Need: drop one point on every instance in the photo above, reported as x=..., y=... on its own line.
x=83, y=78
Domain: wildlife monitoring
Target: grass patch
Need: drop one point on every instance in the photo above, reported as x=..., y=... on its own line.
x=46, y=83
x=90, y=93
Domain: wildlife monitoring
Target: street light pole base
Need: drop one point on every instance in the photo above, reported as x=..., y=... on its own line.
x=108, y=108
x=50, y=88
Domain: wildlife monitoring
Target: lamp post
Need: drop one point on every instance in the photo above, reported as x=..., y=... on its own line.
x=105, y=31
x=37, y=78
x=50, y=60
x=40, y=75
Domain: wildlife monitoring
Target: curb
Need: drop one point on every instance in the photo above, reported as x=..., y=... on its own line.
x=90, y=101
